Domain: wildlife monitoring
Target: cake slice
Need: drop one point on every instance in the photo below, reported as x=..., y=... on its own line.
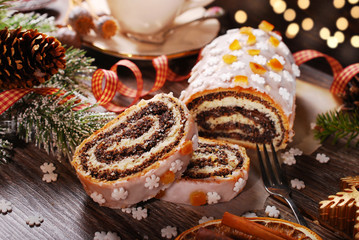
x=218, y=171
x=243, y=88
x=139, y=153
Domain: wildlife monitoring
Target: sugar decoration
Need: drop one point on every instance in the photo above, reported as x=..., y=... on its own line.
x=284, y=93
x=49, y=174
x=213, y=197
x=296, y=183
x=139, y=213
x=257, y=78
x=272, y=211
x=152, y=182
x=249, y=214
x=239, y=185
x=177, y=165
x=5, y=206
x=98, y=197
x=49, y=177
x=205, y=219
x=119, y=193
x=35, y=220
x=322, y=158
x=106, y=236
x=169, y=232
x=47, y=167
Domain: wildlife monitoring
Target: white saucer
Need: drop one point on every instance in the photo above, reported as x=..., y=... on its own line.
x=186, y=40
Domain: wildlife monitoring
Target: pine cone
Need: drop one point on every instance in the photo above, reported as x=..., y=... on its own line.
x=28, y=58
x=351, y=95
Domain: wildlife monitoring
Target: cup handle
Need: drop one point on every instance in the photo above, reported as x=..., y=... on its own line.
x=189, y=4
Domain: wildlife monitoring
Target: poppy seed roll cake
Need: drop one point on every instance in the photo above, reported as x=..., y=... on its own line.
x=217, y=172
x=243, y=88
x=139, y=153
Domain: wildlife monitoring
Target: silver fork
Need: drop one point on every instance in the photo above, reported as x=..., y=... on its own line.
x=275, y=181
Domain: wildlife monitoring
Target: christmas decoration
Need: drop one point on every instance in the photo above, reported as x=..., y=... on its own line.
x=81, y=20
x=341, y=211
x=29, y=58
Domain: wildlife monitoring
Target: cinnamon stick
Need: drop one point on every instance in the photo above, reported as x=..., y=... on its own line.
x=207, y=234
x=252, y=228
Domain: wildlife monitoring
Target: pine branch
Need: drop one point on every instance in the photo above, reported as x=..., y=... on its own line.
x=339, y=125
x=5, y=150
x=56, y=127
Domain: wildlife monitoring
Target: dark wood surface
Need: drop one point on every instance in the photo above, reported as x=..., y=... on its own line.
x=70, y=214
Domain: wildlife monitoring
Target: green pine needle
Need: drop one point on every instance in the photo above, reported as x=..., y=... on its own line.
x=339, y=125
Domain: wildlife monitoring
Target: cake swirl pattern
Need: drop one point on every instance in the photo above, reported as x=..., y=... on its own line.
x=137, y=154
x=243, y=88
x=217, y=172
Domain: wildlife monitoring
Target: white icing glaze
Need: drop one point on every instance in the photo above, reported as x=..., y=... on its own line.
x=211, y=72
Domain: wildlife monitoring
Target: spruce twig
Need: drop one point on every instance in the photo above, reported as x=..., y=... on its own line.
x=339, y=124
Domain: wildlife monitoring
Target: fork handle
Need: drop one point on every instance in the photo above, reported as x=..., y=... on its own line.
x=297, y=214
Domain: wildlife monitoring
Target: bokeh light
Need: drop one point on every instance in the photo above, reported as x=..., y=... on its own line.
x=279, y=6
x=324, y=33
x=289, y=14
x=332, y=42
x=240, y=16
x=307, y=24
x=338, y=3
x=355, y=41
x=339, y=36
x=303, y=4
x=354, y=12
x=292, y=30
x=353, y=1
x=342, y=23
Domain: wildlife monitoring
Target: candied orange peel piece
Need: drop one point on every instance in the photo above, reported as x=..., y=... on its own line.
x=253, y=52
x=167, y=177
x=241, y=80
x=266, y=26
x=275, y=65
x=257, y=68
x=274, y=41
x=235, y=45
x=198, y=198
x=251, y=39
x=245, y=30
x=187, y=148
x=229, y=59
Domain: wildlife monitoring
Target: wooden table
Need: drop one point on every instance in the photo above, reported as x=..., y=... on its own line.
x=70, y=214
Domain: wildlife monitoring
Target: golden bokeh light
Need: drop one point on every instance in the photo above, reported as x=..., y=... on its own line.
x=307, y=24
x=272, y=2
x=324, y=33
x=354, y=12
x=342, y=23
x=332, y=42
x=303, y=4
x=355, y=41
x=292, y=30
x=289, y=14
x=353, y=1
x=338, y=3
x=339, y=36
x=240, y=16
x=279, y=6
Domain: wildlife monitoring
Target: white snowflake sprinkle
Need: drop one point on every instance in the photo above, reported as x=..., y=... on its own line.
x=208, y=71
x=272, y=211
x=5, y=206
x=139, y=213
x=34, y=220
x=296, y=151
x=295, y=70
x=213, y=197
x=194, y=144
x=49, y=177
x=287, y=76
x=212, y=44
x=288, y=158
x=205, y=219
x=106, y=236
x=213, y=61
x=259, y=59
x=283, y=48
x=296, y=183
x=152, y=182
x=237, y=65
x=284, y=93
x=237, y=53
x=322, y=158
x=258, y=32
x=239, y=185
x=257, y=78
x=225, y=76
x=98, y=197
x=126, y=210
x=275, y=76
x=249, y=214
x=176, y=165
x=47, y=167
x=119, y=193
x=279, y=58
x=169, y=232
x=262, y=46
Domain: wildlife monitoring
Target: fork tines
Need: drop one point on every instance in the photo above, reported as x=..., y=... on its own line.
x=270, y=176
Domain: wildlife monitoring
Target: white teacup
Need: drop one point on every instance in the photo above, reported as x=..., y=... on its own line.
x=149, y=17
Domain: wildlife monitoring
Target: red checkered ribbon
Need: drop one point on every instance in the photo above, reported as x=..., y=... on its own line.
x=113, y=84
x=341, y=76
